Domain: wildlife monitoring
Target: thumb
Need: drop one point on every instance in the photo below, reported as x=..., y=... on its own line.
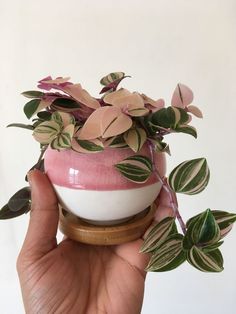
x=44, y=216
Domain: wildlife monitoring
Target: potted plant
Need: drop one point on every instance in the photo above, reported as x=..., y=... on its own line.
x=105, y=159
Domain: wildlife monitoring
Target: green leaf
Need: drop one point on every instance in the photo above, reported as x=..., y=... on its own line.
x=170, y=117
x=164, y=117
x=212, y=247
x=21, y=125
x=7, y=213
x=31, y=107
x=142, y=160
x=206, y=262
x=187, y=129
x=224, y=220
x=33, y=94
x=158, y=234
x=20, y=199
x=112, y=77
x=169, y=255
x=90, y=146
x=203, y=230
x=65, y=103
x=190, y=177
x=44, y=115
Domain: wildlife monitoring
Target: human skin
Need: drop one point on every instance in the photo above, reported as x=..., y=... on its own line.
x=71, y=277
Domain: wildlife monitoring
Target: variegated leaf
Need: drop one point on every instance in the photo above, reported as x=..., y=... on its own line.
x=46, y=131
x=187, y=129
x=83, y=146
x=33, y=94
x=224, y=220
x=135, y=168
x=158, y=234
x=206, y=262
x=64, y=138
x=203, y=230
x=169, y=117
x=135, y=138
x=160, y=146
x=212, y=247
x=112, y=77
x=190, y=177
x=117, y=142
x=169, y=255
x=63, y=118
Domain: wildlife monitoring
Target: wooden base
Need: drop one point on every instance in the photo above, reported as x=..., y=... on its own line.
x=79, y=230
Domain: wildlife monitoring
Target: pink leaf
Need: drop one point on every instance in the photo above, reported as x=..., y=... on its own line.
x=57, y=81
x=134, y=100
x=135, y=111
x=81, y=95
x=118, y=125
x=112, y=97
x=182, y=97
x=92, y=127
x=195, y=111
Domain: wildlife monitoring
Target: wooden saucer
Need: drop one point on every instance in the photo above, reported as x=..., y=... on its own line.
x=79, y=230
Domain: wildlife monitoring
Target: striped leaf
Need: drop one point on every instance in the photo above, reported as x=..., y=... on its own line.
x=212, y=247
x=135, y=168
x=224, y=220
x=118, y=142
x=64, y=138
x=190, y=177
x=62, y=118
x=187, y=129
x=160, y=146
x=91, y=146
x=202, y=230
x=158, y=234
x=206, y=262
x=46, y=131
x=33, y=94
x=169, y=117
x=169, y=255
x=135, y=138
x=112, y=77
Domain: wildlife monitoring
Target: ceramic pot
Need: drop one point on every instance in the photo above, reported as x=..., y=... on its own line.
x=89, y=186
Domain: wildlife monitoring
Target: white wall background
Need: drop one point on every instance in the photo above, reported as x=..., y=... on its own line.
x=159, y=43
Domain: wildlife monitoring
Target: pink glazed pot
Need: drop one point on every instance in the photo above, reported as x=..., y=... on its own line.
x=89, y=186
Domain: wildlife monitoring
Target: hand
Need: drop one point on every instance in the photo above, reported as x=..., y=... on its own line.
x=71, y=277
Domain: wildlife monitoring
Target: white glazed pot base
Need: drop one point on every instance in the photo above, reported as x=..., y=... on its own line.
x=107, y=207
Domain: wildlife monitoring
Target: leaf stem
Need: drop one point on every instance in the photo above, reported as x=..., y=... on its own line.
x=43, y=149
x=172, y=195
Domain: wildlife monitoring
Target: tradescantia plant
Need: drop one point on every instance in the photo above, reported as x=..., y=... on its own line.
x=65, y=116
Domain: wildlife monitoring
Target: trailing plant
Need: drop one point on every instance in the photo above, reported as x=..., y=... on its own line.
x=65, y=116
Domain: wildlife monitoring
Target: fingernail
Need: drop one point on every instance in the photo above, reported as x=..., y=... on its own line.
x=29, y=177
